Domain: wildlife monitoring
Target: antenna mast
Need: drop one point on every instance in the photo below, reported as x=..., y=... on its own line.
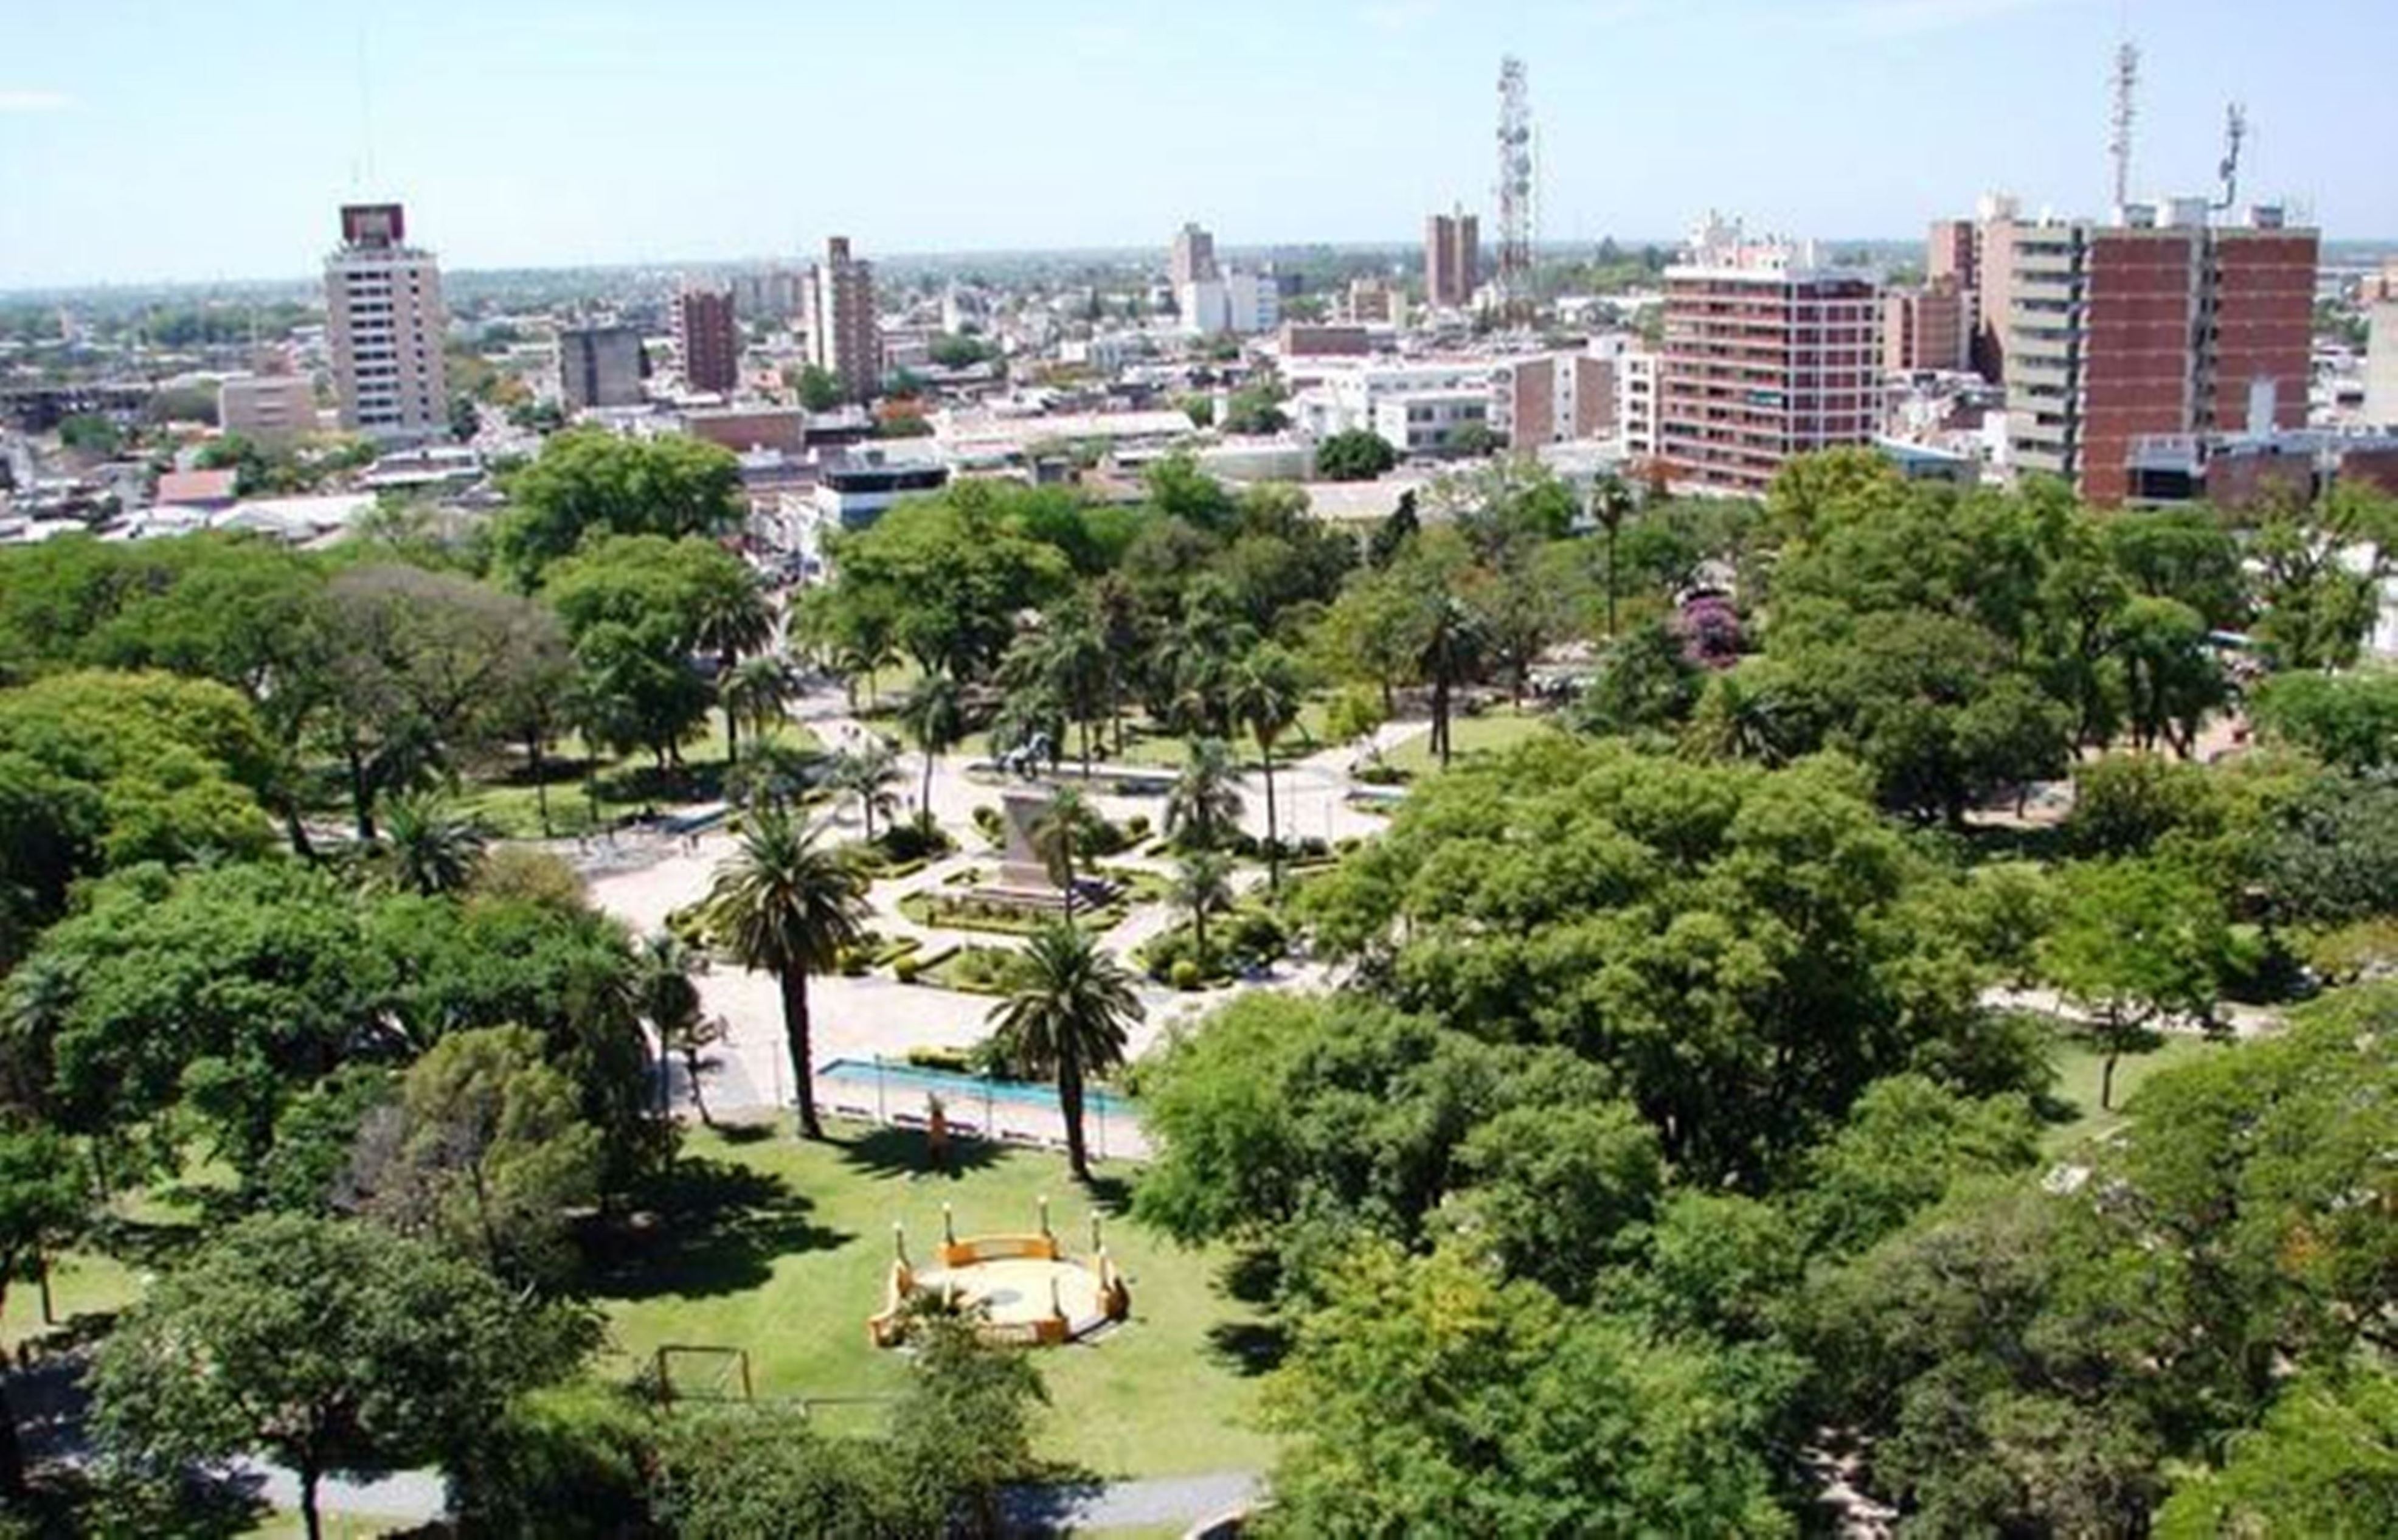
x=2127, y=76
x=2235, y=128
x=1515, y=192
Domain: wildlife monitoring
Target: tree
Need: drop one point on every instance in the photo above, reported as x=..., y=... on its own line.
x=1354, y=715
x=2347, y=720
x=1611, y=503
x=934, y=716
x=1391, y=537
x=757, y=693
x=1065, y=829
x=2325, y=1460
x=870, y=774
x=323, y=1345
x=1256, y=409
x=1359, y=455
x=1066, y=1014
x=485, y=1153
x=1203, y=885
x=1452, y=651
x=671, y=1003
x=40, y=1201
x=732, y=621
x=429, y=849
x=819, y=388
x=1203, y=807
x=588, y=479
x=2171, y=679
x=638, y=607
x=2135, y=942
x=1266, y=694
x=785, y=905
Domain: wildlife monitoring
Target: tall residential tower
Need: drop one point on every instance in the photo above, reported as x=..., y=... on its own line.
x=385, y=325
x=844, y=338
x=1452, y=257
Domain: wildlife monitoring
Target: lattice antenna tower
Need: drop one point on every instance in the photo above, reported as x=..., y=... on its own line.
x=2119, y=144
x=2235, y=131
x=1514, y=190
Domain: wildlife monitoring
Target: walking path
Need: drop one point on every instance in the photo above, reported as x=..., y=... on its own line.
x=1151, y=1503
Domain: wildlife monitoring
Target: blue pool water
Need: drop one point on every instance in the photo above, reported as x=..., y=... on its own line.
x=962, y=1091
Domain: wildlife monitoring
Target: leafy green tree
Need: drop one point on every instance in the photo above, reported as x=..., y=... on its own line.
x=2135, y=943
x=2317, y=601
x=1646, y=682
x=1391, y=534
x=41, y=1202
x=671, y=1004
x=934, y=717
x=2323, y=1462
x=1552, y=1192
x=638, y=607
x=2347, y=720
x=1066, y=827
x=946, y=577
x=1203, y=807
x=1266, y=694
x=1360, y=454
x=326, y=1345
x=1202, y=885
x=819, y=388
x=1428, y=1397
x=2171, y=679
x=734, y=621
x=756, y=693
x=592, y=480
x=783, y=904
x=1066, y=1014
x=869, y=775
x=1611, y=503
x=428, y=848
x=1905, y=1143
x=1256, y=409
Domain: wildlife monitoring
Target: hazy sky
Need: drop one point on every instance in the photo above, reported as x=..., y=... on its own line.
x=147, y=139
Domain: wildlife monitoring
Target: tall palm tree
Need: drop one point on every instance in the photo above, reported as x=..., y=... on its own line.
x=1266, y=693
x=669, y=1002
x=1203, y=885
x=1611, y=503
x=1059, y=833
x=870, y=774
x=1117, y=614
x=935, y=718
x=864, y=657
x=1068, y=1015
x=774, y=775
x=785, y=905
x=755, y=694
x=1452, y=650
x=428, y=848
x=1204, y=805
x=735, y=619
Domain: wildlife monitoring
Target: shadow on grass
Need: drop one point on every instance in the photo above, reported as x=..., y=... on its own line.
x=707, y=1228
x=1253, y=1274
x=904, y=1151
x=1248, y=1348
x=146, y=1244
x=1111, y=1195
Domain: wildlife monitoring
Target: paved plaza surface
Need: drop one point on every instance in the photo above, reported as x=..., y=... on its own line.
x=749, y=1075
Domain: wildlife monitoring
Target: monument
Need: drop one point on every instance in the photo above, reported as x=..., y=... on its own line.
x=1024, y=881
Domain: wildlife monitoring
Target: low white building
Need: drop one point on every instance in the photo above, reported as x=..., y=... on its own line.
x=1433, y=420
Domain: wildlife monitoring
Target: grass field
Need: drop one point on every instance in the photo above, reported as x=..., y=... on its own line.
x=1501, y=728
x=2078, y=1070
x=795, y=1258
x=511, y=805
x=1148, y=744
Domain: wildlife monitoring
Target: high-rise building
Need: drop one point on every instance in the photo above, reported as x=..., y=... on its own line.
x=1194, y=257
x=599, y=366
x=1766, y=355
x=2381, y=347
x=709, y=339
x=1995, y=224
x=772, y=295
x=1368, y=301
x=2162, y=325
x=844, y=336
x=1453, y=260
x=384, y=324
x=1926, y=328
x=1951, y=253
x=1555, y=398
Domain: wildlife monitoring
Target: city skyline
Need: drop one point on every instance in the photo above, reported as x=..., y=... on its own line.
x=618, y=133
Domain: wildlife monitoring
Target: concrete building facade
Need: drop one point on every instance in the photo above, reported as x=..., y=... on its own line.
x=709, y=340
x=383, y=326
x=1925, y=329
x=1554, y=398
x=2159, y=326
x=1766, y=355
x=1453, y=260
x=599, y=366
x=843, y=337
x=1241, y=303
x=1193, y=258
x=270, y=408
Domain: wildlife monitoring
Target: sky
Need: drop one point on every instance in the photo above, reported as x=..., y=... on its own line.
x=145, y=140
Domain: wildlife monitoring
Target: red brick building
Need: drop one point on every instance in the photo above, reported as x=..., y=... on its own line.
x=709, y=339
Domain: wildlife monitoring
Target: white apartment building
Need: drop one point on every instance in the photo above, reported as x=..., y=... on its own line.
x=384, y=324
x=2381, y=349
x=1636, y=403
x=1244, y=303
x=1429, y=420
x=270, y=408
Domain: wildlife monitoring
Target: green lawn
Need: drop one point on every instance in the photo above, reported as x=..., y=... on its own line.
x=1498, y=729
x=797, y=1260
x=510, y=803
x=2078, y=1069
x=1146, y=743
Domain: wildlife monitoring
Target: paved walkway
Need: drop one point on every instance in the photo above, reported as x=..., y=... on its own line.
x=1151, y=1504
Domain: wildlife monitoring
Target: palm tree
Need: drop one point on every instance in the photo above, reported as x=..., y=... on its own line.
x=933, y=716
x=755, y=694
x=1118, y=617
x=669, y=1002
x=776, y=774
x=869, y=774
x=1451, y=651
x=785, y=905
x=1611, y=503
x=864, y=657
x=1265, y=695
x=1059, y=833
x=1204, y=802
x=734, y=619
x=1068, y=1014
x=427, y=848
x=1203, y=885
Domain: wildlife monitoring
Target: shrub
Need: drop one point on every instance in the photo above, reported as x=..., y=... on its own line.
x=1137, y=827
x=1185, y=973
x=956, y=1061
x=1258, y=936
x=905, y=970
x=988, y=822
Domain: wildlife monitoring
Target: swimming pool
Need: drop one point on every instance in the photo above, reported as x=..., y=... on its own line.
x=959, y=1091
